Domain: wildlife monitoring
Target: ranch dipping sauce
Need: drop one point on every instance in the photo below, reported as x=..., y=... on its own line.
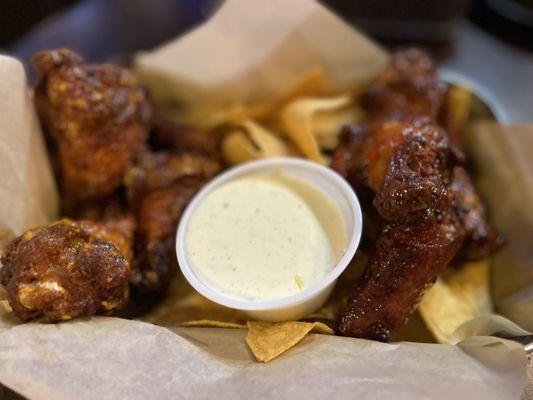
x=265, y=237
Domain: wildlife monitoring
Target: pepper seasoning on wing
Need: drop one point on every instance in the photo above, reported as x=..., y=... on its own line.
x=96, y=116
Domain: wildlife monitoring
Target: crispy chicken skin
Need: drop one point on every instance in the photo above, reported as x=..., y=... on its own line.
x=158, y=216
x=158, y=188
x=481, y=240
x=406, y=165
x=159, y=170
x=410, y=86
x=182, y=138
x=67, y=269
x=406, y=261
x=96, y=116
x=428, y=208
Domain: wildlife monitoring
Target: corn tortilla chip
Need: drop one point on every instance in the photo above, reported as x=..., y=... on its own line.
x=456, y=297
x=327, y=126
x=251, y=141
x=267, y=340
x=460, y=105
x=183, y=304
x=297, y=122
x=208, y=323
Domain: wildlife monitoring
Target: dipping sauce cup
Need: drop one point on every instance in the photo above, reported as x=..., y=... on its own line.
x=309, y=299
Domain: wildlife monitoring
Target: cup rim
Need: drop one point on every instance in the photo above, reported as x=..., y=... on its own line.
x=210, y=292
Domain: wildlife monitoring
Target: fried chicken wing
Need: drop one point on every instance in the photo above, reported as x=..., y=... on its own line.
x=68, y=269
x=406, y=262
x=96, y=115
x=183, y=138
x=155, y=263
x=427, y=205
x=405, y=163
x=481, y=240
x=159, y=170
x=409, y=87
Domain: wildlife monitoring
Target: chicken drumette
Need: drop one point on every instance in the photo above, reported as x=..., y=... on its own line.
x=424, y=200
x=159, y=187
x=155, y=255
x=99, y=122
x=409, y=87
x=68, y=269
x=406, y=164
x=96, y=116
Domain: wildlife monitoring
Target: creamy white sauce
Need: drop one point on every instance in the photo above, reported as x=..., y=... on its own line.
x=265, y=237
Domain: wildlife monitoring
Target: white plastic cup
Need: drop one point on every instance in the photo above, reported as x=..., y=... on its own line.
x=308, y=300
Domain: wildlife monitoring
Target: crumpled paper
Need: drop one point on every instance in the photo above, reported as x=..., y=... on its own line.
x=28, y=195
x=250, y=52
x=503, y=157
x=110, y=358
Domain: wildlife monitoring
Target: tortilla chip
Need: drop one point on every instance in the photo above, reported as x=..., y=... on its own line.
x=183, y=303
x=267, y=340
x=326, y=127
x=208, y=323
x=297, y=121
x=456, y=297
x=460, y=105
x=250, y=141
x=312, y=83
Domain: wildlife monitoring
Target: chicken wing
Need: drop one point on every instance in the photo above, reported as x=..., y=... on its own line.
x=68, y=269
x=159, y=170
x=155, y=255
x=406, y=164
x=181, y=138
x=96, y=115
x=481, y=240
x=158, y=188
x=427, y=205
x=409, y=87
x=406, y=262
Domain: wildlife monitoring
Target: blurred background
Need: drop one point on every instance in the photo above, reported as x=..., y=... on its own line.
x=488, y=43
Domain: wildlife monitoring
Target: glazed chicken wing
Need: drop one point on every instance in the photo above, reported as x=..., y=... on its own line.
x=406, y=164
x=183, y=138
x=409, y=87
x=96, y=116
x=406, y=262
x=427, y=205
x=158, y=187
x=159, y=213
x=481, y=240
x=68, y=269
x=159, y=170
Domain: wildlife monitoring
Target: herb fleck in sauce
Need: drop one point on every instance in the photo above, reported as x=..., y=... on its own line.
x=265, y=237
